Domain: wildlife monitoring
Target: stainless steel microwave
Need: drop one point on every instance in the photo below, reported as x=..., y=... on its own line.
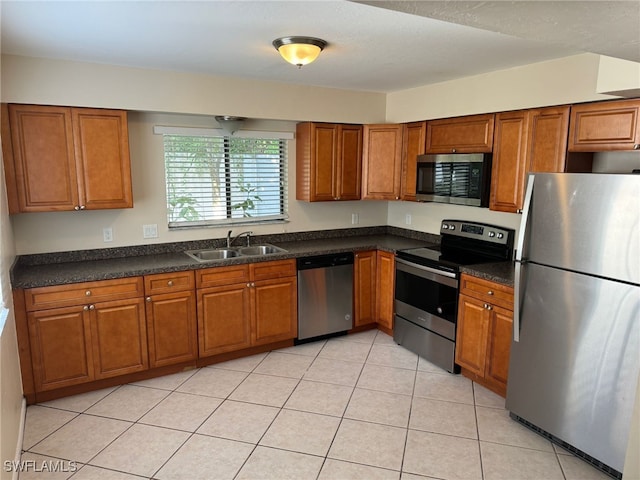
x=459, y=178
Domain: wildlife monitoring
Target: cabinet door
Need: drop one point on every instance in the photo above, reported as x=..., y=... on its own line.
x=61, y=347
x=381, y=162
x=364, y=278
x=385, y=273
x=349, y=166
x=316, y=161
x=471, y=336
x=509, y=161
x=470, y=134
x=119, y=335
x=605, y=126
x=223, y=319
x=45, y=168
x=275, y=310
x=413, y=144
x=499, y=347
x=547, y=144
x=172, y=328
x=102, y=156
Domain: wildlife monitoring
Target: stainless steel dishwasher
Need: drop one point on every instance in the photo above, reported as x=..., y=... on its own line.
x=325, y=295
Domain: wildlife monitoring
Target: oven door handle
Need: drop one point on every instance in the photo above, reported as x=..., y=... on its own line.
x=435, y=271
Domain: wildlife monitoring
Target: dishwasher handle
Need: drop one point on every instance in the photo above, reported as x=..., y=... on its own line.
x=324, y=261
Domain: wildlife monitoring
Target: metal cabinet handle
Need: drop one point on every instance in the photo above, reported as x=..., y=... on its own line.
x=636, y=146
x=79, y=207
x=92, y=307
x=148, y=299
x=170, y=283
x=453, y=150
x=85, y=308
x=87, y=293
x=490, y=292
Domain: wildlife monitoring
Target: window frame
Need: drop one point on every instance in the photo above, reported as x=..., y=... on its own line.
x=282, y=137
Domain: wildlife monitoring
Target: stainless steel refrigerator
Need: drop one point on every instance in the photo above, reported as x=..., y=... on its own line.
x=575, y=355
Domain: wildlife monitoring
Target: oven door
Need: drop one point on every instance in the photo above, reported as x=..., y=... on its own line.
x=427, y=297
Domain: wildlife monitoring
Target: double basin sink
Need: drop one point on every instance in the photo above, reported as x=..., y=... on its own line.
x=213, y=254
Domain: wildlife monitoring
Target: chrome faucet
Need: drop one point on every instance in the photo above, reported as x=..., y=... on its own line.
x=230, y=240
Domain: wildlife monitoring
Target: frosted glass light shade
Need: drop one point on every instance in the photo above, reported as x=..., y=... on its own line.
x=299, y=51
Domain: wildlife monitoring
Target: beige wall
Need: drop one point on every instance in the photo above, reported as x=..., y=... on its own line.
x=10, y=381
x=567, y=80
x=56, y=82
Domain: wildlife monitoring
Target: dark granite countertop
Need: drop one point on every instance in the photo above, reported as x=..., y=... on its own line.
x=71, y=267
x=500, y=272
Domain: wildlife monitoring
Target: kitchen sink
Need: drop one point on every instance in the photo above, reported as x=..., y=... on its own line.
x=213, y=254
x=261, y=250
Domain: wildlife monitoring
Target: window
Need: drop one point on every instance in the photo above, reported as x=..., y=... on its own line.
x=213, y=179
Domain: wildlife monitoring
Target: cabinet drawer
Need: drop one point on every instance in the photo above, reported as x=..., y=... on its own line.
x=277, y=269
x=490, y=292
x=169, y=282
x=82, y=293
x=213, y=277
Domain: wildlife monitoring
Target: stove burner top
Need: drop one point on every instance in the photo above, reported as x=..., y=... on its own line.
x=464, y=243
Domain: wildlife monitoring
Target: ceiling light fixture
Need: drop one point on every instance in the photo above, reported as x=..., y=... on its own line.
x=229, y=123
x=299, y=51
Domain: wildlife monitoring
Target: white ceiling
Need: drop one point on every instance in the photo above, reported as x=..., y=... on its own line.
x=381, y=46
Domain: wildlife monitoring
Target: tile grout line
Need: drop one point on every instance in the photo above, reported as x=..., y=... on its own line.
x=326, y=457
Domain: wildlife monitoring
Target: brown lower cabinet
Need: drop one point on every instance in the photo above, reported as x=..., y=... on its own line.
x=78, y=344
x=485, y=325
x=171, y=318
x=374, y=276
x=364, y=288
x=246, y=305
x=385, y=272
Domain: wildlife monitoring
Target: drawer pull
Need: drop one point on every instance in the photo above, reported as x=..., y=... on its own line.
x=85, y=308
x=87, y=293
x=170, y=283
x=490, y=292
x=148, y=299
x=92, y=307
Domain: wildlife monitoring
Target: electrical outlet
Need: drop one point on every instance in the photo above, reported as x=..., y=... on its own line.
x=354, y=219
x=150, y=231
x=407, y=219
x=107, y=234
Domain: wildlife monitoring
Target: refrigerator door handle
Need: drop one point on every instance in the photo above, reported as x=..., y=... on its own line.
x=517, y=300
x=526, y=209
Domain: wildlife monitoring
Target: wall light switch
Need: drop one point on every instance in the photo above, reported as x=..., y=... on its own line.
x=150, y=231
x=407, y=219
x=107, y=234
x=354, y=219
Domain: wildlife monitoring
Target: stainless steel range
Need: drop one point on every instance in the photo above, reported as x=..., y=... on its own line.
x=426, y=293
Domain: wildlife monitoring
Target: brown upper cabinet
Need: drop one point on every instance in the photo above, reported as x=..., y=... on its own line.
x=328, y=162
x=525, y=141
x=413, y=144
x=605, y=126
x=63, y=158
x=471, y=134
x=382, y=161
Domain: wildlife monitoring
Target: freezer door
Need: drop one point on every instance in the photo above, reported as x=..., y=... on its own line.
x=575, y=369
x=587, y=223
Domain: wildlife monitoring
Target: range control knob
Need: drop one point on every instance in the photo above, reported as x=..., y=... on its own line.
x=452, y=227
x=500, y=235
x=492, y=234
x=445, y=226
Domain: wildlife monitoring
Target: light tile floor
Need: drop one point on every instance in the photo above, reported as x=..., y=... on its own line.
x=355, y=407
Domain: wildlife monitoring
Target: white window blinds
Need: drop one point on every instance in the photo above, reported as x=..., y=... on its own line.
x=224, y=180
